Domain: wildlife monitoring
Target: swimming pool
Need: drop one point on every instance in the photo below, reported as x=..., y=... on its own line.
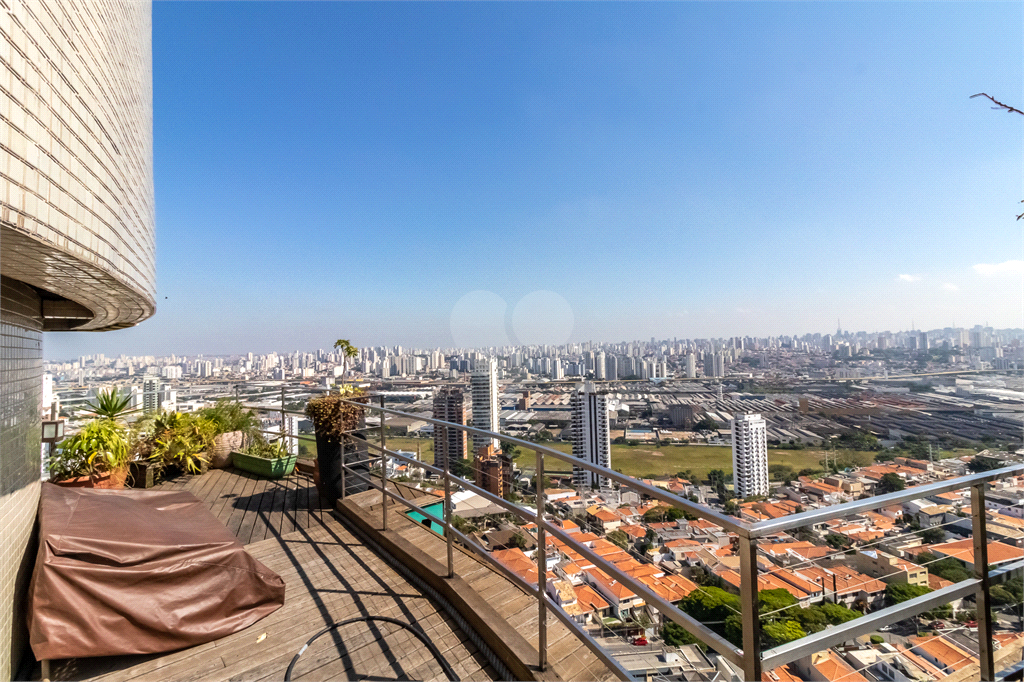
x=436, y=509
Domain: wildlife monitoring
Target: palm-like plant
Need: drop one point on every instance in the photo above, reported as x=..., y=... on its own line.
x=110, y=404
x=99, y=447
x=348, y=351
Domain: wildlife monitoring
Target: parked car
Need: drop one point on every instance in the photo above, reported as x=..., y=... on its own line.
x=640, y=641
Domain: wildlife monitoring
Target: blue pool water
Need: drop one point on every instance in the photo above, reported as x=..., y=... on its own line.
x=436, y=509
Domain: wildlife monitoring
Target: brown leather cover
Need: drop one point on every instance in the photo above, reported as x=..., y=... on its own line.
x=138, y=572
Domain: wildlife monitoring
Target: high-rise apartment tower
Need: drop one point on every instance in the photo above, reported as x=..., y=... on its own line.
x=749, y=455
x=591, y=437
x=449, y=444
x=483, y=384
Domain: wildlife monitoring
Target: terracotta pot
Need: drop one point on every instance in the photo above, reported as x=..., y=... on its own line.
x=223, y=446
x=110, y=480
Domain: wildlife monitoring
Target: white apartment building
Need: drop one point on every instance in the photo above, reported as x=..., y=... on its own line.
x=483, y=385
x=691, y=366
x=749, y=455
x=150, y=394
x=591, y=437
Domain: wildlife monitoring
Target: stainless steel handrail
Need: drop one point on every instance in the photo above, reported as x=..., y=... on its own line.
x=750, y=658
x=810, y=517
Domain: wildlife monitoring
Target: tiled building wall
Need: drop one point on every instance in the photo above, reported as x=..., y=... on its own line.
x=76, y=170
x=21, y=380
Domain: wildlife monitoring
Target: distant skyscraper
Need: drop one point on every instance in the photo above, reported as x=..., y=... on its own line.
x=749, y=455
x=591, y=438
x=483, y=383
x=691, y=366
x=611, y=367
x=923, y=343
x=449, y=444
x=600, y=366
x=150, y=394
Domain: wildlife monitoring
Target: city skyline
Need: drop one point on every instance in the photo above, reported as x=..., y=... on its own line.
x=629, y=170
x=50, y=355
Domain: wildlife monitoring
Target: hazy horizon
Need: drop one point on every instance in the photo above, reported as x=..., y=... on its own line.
x=428, y=174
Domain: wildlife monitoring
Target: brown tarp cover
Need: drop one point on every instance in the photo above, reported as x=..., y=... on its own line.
x=138, y=572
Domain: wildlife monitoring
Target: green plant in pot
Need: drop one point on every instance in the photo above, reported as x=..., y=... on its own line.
x=265, y=459
x=110, y=404
x=95, y=457
x=180, y=441
x=333, y=417
x=236, y=427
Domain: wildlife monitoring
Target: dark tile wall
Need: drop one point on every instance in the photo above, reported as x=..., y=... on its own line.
x=21, y=384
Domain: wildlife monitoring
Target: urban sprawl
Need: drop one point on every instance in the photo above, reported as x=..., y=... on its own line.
x=757, y=428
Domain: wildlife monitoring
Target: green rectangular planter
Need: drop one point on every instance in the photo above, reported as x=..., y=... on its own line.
x=261, y=466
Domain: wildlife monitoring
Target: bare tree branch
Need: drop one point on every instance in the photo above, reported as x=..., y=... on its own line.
x=1009, y=110
x=999, y=105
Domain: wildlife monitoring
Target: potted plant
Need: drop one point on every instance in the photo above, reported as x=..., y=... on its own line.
x=95, y=457
x=332, y=419
x=236, y=427
x=271, y=460
x=180, y=441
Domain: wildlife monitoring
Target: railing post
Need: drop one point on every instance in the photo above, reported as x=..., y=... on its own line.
x=284, y=423
x=750, y=607
x=542, y=571
x=448, y=508
x=383, y=470
x=345, y=440
x=984, y=605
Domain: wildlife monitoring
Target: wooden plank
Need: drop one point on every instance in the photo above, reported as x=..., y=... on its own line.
x=222, y=496
x=276, y=489
x=202, y=483
x=231, y=513
x=288, y=510
x=259, y=512
x=303, y=502
x=240, y=522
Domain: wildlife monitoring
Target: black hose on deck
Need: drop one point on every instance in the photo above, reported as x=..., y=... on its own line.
x=448, y=671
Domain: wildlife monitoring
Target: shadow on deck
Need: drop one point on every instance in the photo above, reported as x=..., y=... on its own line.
x=330, y=576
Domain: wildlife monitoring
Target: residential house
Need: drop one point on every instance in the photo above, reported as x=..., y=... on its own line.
x=890, y=569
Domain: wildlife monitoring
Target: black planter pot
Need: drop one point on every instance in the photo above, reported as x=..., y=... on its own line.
x=328, y=463
x=356, y=455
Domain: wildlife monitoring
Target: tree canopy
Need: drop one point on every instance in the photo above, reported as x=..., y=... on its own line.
x=890, y=483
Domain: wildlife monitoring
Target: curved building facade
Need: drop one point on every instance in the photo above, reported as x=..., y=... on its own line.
x=77, y=248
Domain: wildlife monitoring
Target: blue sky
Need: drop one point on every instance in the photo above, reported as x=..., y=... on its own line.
x=330, y=170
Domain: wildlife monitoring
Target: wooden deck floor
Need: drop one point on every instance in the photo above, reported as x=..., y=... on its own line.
x=330, y=576
x=569, y=657
x=255, y=508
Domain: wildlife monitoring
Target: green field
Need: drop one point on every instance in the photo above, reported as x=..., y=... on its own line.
x=647, y=461
x=644, y=461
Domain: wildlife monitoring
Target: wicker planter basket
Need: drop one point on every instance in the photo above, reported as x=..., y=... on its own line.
x=223, y=446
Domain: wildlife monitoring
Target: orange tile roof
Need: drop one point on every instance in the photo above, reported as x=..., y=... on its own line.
x=614, y=587
x=941, y=649
x=836, y=669
x=588, y=599
x=963, y=550
x=783, y=673
x=633, y=530
x=921, y=662
x=846, y=579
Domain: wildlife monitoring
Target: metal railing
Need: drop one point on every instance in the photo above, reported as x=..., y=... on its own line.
x=750, y=658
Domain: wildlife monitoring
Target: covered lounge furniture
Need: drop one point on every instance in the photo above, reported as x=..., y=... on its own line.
x=138, y=572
